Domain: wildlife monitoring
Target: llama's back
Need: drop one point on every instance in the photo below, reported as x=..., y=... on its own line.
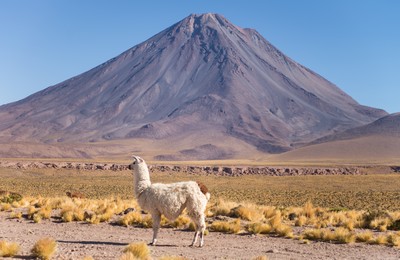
x=172, y=199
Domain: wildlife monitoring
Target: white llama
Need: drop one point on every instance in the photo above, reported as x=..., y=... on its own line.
x=170, y=199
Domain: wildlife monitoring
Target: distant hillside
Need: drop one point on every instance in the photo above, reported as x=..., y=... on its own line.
x=378, y=141
x=387, y=126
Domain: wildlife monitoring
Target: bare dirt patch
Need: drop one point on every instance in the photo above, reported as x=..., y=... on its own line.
x=105, y=241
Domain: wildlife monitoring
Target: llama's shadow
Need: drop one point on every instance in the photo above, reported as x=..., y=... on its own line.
x=107, y=243
x=162, y=245
x=23, y=257
x=92, y=242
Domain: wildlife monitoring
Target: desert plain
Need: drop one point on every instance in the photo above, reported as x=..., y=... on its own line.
x=279, y=216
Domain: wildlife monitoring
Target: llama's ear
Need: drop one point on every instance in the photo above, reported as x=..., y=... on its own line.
x=137, y=159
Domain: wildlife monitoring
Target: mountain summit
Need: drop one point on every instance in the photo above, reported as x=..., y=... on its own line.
x=198, y=83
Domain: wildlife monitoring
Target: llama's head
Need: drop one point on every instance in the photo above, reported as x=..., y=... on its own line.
x=137, y=163
x=140, y=170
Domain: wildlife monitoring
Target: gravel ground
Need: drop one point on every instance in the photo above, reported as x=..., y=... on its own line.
x=106, y=241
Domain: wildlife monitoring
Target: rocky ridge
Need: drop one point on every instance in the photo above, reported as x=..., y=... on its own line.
x=198, y=170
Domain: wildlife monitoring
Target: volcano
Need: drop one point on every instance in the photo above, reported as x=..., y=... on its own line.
x=203, y=85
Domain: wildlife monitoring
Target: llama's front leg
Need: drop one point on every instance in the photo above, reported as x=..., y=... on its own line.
x=201, y=238
x=156, y=226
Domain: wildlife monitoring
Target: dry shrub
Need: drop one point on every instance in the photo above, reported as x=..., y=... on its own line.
x=300, y=221
x=16, y=215
x=137, y=250
x=128, y=256
x=232, y=227
x=313, y=234
x=37, y=218
x=181, y=222
x=393, y=239
x=223, y=208
x=31, y=211
x=88, y=258
x=365, y=237
x=147, y=222
x=340, y=235
x=192, y=227
x=309, y=210
x=379, y=240
x=136, y=219
x=5, y=206
x=8, y=249
x=380, y=224
x=259, y=228
x=269, y=212
x=260, y=257
x=67, y=216
x=284, y=231
x=107, y=215
x=94, y=219
x=250, y=213
x=132, y=218
x=343, y=235
x=44, y=248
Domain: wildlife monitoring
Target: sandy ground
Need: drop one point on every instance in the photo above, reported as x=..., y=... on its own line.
x=106, y=241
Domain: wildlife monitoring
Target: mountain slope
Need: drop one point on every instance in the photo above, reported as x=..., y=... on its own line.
x=201, y=73
x=386, y=126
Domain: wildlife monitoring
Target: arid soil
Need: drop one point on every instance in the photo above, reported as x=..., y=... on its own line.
x=106, y=241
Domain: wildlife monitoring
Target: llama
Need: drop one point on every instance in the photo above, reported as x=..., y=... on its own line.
x=170, y=199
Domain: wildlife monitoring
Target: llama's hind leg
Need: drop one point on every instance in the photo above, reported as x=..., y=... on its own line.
x=156, y=227
x=200, y=228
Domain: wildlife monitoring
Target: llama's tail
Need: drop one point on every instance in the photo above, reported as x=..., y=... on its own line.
x=204, y=190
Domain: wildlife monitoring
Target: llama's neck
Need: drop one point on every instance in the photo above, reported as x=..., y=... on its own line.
x=142, y=179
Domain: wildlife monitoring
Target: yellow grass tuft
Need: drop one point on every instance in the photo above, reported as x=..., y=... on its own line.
x=232, y=227
x=250, y=213
x=259, y=228
x=300, y=221
x=284, y=231
x=223, y=208
x=365, y=237
x=269, y=212
x=393, y=239
x=340, y=235
x=17, y=215
x=8, y=249
x=44, y=248
x=31, y=211
x=379, y=240
x=309, y=210
x=181, y=222
x=130, y=219
x=343, y=235
x=137, y=250
x=261, y=257
x=37, y=218
x=5, y=207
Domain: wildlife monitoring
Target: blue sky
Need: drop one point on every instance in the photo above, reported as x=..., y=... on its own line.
x=353, y=43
